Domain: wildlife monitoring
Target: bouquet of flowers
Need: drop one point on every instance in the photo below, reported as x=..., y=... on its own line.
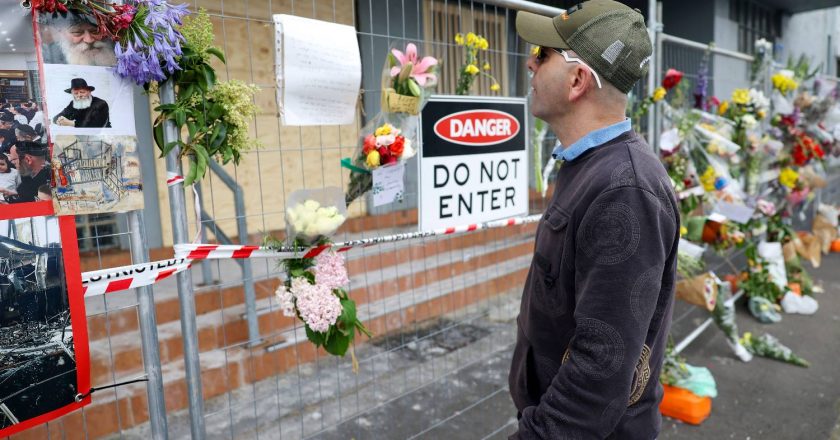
x=407, y=80
x=314, y=289
x=769, y=346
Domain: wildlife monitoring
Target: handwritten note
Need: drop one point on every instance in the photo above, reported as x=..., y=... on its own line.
x=388, y=184
x=319, y=71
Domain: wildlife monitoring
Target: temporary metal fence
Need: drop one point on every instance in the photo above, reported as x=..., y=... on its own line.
x=223, y=362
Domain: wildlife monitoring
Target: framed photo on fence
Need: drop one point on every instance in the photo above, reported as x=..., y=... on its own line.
x=44, y=357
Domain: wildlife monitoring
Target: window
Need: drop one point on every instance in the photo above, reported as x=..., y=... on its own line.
x=445, y=19
x=97, y=232
x=755, y=21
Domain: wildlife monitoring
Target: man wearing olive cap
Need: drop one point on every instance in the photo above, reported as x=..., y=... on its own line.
x=597, y=301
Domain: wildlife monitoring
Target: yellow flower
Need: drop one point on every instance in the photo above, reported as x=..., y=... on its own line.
x=383, y=130
x=788, y=177
x=761, y=114
x=659, y=93
x=683, y=230
x=723, y=107
x=486, y=66
x=471, y=69
x=495, y=87
x=784, y=83
x=535, y=50
x=483, y=44
x=471, y=39
x=741, y=96
x=459, y=39
x=372, y=159
x=708, y=179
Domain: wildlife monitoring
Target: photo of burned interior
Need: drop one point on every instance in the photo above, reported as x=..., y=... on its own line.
x=37, y=358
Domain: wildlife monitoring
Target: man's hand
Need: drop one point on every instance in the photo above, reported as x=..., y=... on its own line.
x=65, y=122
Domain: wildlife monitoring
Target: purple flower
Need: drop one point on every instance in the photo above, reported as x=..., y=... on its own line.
x=142, y=62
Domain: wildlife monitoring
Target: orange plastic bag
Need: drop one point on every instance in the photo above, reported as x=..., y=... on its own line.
x=682, y=404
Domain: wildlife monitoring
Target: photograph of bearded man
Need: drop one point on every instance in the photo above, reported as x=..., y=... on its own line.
x=84, y=110
x=75, y=39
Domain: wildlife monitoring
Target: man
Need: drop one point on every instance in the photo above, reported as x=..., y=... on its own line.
x=30, y=158
x=84, y=110
x=24, y=132
x=7, y=131
x=76, y=39
x=597, y=301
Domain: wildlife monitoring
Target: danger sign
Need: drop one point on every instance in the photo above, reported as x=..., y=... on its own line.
x=473, y=160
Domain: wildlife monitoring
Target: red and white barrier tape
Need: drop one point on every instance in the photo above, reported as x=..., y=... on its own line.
x=173, y=178
x=213, y=252
x=100, y=282
x=104, y=281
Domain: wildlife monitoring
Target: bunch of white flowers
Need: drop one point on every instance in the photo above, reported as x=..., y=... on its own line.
x=311, y=220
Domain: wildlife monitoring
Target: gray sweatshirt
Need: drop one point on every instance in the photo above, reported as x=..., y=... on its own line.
x=596, y=307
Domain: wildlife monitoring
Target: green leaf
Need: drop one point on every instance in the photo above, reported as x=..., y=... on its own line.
x=348, y=313
x=218, y=53
x=192, y=173
x=180, y=117
x=192, y=128
x=215, y=111
x=220, y=137
x=166, y=107
x=158, y=135
x=338, y=344
x=169, y=147
x=314, y=337
x=413, y=87
x=209, y=76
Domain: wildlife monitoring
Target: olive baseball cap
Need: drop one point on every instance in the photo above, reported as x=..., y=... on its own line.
x=610, y=36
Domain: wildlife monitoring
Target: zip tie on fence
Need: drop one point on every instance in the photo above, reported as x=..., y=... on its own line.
x=81, y=396
x=218, y=251
x=100, y=282
x=104, y=281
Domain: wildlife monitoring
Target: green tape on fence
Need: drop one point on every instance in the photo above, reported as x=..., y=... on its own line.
x=346, y=163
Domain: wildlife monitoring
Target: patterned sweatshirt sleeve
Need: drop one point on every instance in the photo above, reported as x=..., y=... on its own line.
x=621, y=248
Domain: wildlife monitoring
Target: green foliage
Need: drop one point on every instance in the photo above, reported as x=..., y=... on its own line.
x=215, y=115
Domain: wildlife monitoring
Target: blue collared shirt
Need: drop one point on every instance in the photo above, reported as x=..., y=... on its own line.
x=591, y=140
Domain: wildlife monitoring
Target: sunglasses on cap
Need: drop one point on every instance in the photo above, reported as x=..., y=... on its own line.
x=542, y=54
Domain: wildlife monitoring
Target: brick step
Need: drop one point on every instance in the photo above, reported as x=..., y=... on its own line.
x=227, y=327
x=234, y=367
x=120, y=317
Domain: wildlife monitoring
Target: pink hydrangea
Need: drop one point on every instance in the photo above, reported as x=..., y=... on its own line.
x=330, y=271
x=286, y=299
x=318, y=306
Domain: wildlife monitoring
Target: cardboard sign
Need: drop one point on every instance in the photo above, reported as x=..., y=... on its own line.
x=473, y=163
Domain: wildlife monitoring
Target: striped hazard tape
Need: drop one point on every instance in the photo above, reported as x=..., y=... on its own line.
x=196, y=251
x=104, y=281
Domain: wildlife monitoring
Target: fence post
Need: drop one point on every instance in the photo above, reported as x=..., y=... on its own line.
x=186, y=300
x=651, y=76
x=148, y=331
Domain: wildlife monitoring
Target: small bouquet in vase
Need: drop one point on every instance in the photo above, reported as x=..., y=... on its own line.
x=314, y=289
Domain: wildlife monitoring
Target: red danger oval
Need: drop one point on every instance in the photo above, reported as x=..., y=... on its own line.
x=477, y=127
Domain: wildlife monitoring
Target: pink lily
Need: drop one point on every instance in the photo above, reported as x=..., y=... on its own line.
x=420, y=69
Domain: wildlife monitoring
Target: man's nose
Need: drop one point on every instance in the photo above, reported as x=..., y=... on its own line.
x=532, y=63
x=89, y=38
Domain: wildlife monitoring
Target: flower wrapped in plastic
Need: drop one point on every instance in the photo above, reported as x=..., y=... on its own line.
x=314, y=288
x=407, y=80
x=314, y=215
x=769, y=346
x=388, y=139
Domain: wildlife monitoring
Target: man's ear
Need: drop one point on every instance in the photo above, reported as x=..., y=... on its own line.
x=581, y=80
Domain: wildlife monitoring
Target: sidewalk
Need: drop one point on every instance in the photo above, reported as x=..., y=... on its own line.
x=763, y=399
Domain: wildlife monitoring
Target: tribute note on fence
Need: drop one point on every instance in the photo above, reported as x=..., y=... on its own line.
x=318, y=69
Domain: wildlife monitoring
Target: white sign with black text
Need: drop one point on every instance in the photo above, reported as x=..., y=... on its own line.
x=473, y=163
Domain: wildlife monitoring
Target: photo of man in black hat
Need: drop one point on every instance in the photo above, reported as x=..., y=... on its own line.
x=30, y=159
x=85, y=110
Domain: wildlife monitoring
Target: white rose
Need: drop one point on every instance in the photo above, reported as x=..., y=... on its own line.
x=311, y=205
x=749, y=121
x=408, y=152
x=325, y=226
x=311, y=230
